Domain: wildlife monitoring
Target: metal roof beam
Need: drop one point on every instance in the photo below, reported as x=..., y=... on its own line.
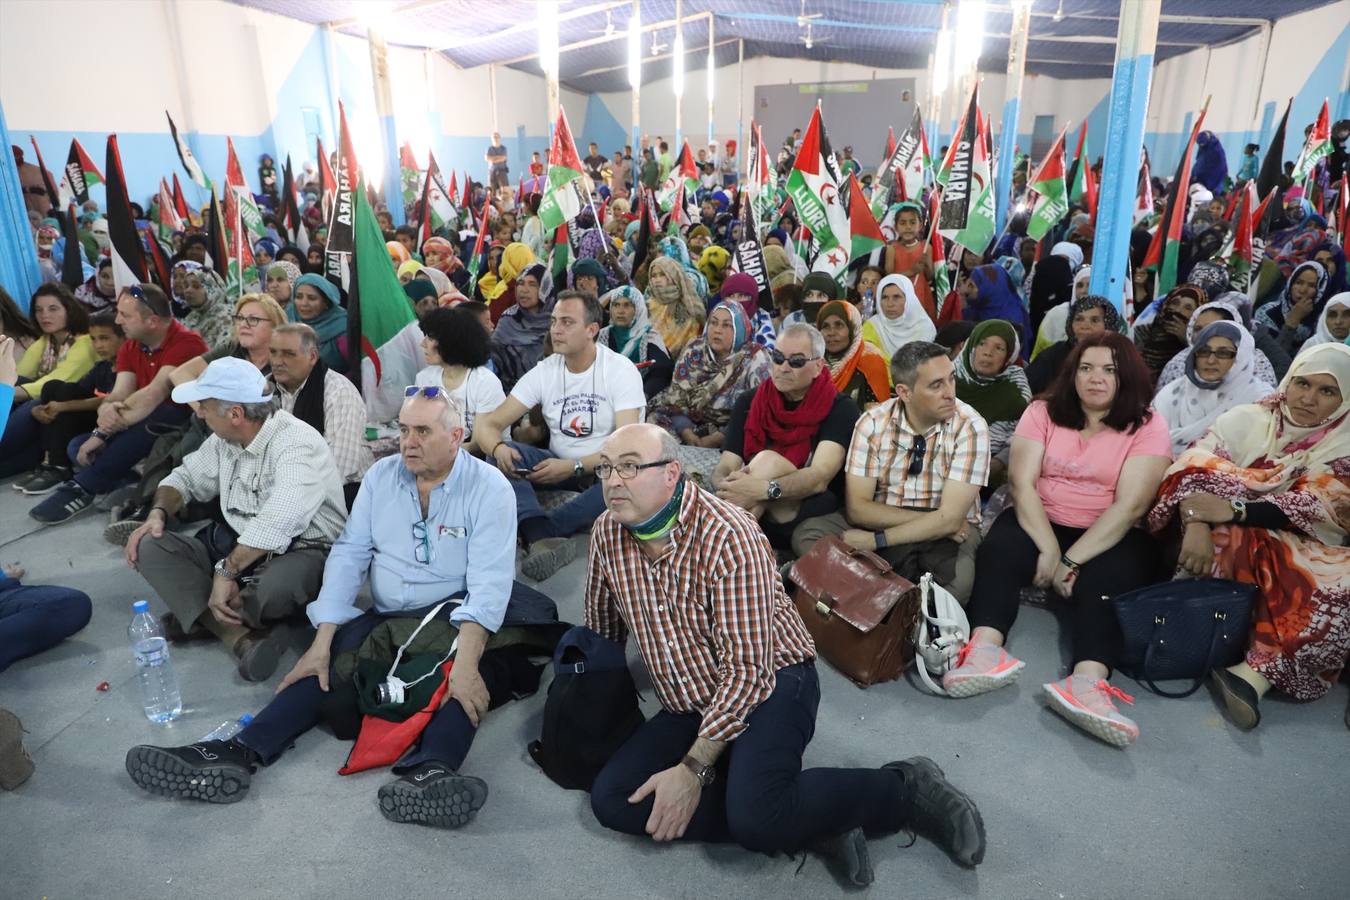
x=618, y=35
x=532, y=24
x=415, y=6
x=646, y=59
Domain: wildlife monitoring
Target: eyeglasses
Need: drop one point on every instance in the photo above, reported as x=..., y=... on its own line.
x=626, y=470
x=422, y=549
x=1220, y=353
x=916, y=453
x=796, y=360
x=250, y=321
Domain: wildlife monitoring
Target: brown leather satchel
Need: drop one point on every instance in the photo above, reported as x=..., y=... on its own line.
x=860, y=612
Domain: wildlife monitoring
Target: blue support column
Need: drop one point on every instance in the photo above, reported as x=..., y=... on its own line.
x=384, y=108
x=1012, y=104
x=1135, y=44
x=19, y=274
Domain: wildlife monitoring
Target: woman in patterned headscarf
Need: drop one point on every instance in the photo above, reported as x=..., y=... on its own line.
x=1089, y=316
x=1160, y=340
x=202, y=291
x=631, y=334
x=857, y=367
x=676, y=307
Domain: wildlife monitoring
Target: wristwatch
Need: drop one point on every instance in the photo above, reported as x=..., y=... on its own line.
x=1239, y=510
x=224, y=572
x=775, y=492
x=705, y=774
x=578, y=469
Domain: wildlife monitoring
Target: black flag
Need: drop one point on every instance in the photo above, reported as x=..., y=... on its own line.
x=72, y=272
x=956, y=195
x=128, y=260
x=1272, y=166
x=749, y=258
x=215, y=234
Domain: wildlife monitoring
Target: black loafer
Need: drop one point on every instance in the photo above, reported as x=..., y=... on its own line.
x=1239, y=698
x=848, y=857
x=941, y=812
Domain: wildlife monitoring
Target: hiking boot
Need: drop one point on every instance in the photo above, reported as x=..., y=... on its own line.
x=1240, y=699
x=1088, y=703
x=124, y=523
x=65, y=503
x=940, y=812
x=15, y=763
x=259, y=652
x=209, y=771
x=981, y=668
x=433, y=794
x=848, y=857
x=547, y=556
x=43, y=480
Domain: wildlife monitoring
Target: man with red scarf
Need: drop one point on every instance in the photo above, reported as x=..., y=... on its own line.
x=783, y=453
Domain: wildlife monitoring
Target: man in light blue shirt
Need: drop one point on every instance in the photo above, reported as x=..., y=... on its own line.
x=428, y=524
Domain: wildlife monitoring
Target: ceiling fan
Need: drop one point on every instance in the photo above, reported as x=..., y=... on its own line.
x=657, y=46
x=609, y=29
x=804, y=20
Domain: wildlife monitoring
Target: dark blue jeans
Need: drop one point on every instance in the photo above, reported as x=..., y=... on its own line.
x=446, y=739
x=761, y=798
x=126, y=448
x=37, y=618
x=21, y=445
x=574, y=516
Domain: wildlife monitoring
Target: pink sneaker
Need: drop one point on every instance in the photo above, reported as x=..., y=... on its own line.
x=1087, y=703
x=981, y=668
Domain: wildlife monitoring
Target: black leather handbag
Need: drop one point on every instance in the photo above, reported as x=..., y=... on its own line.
x=1182, y=629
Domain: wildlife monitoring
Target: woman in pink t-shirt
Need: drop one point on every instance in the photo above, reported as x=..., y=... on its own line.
x=1086, y=463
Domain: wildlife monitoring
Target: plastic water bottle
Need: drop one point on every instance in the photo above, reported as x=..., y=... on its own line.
x=159, y=685
x=226, y=730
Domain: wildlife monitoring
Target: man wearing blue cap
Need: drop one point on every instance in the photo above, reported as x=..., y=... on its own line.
x=282, y=505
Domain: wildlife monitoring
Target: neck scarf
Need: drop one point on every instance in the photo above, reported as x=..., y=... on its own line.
x=662, y=522
x=1002, y=397
x=309, y=402
x=859, y=355
x=516, y=258
x=677, y=311
x=912, y=324
x=632, y=341
x=1323, y=335
x=788, y=432
x=1272, y=315
x=1190, y=404
x=53, y=353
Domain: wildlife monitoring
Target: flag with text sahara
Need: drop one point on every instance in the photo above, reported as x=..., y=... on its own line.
x=341, y=234
x=958, y=171
x=80, y=174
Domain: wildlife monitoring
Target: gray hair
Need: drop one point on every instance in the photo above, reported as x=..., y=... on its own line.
x=309, y=338
x=253, y=412
x=452, y=415
x=670, y=447
x=906, y=361
x=812, y=334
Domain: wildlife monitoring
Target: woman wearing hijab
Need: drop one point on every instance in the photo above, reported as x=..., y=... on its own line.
x=202, y=291
x=1331, y=257
x=859, y=370
x=278, y=278
x=900, y=317
x=314, y=301
x=1333, y=326
x=631, y=334
x=520, y=337
x=422, y=295
x=1052, y=326
x=1303, y=232
x=989, y=380
x=1220, y=374
x=408, y=271
x=499, y=292
x=1292, y=316
x=1165, y=337
x=989, y=293
x=1087, y=318
x=674, y=248
x=438, y=279
x=677, y=309
x=742, y=289
x=1051, y=285
x=438, y=253
x=1263, y=498
x=1220, y=310
x=713, y=371
x=595, y=244
x=99, y=291
x=265, y=252
x=1211, y=163
x=713, y=263
x=590, y=276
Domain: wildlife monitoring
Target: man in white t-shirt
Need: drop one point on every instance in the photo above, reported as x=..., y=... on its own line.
x=585, y=391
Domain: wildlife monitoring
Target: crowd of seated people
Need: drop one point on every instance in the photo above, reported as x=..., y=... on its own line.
x=1187, y=437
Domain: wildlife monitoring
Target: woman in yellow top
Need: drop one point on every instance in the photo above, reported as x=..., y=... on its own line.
x=63, y=351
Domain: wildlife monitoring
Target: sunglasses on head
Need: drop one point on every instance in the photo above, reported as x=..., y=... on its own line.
x=796, y=360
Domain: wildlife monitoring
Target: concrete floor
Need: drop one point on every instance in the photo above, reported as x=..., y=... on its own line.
x=1195, y=809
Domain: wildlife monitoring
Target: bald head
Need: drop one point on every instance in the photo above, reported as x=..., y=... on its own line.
x=644, y=439
x=636, y=499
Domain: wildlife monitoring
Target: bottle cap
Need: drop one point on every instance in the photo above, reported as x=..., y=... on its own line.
x=245, y=718
x=140, y=606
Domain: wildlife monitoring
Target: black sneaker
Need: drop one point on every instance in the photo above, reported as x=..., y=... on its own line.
x=44, y=480
x=848, y=856
x=210, y=771
x=433, y=794
x=940, y=812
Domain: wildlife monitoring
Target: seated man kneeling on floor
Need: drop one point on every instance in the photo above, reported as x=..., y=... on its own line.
x=428, y=524
x=914, y=473
x=281, y=501
x=783, y=453
x=693, y=578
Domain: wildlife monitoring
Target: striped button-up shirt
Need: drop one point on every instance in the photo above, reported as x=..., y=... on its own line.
x=710, y=615
x=344, y=424
x=282, y=487
x=956, y=449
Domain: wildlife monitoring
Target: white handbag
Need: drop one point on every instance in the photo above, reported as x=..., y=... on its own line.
x=941, y=632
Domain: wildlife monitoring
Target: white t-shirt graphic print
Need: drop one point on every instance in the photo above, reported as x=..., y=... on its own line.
x=579, y=407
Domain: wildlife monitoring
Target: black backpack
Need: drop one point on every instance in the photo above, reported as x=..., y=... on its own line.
x=592, y=708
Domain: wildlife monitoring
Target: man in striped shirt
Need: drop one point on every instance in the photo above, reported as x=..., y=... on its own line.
x=914, y=472
x=693, y=578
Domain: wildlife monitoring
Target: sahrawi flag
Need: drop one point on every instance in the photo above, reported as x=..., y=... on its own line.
x=942, y=283
x=957, y=176
x=1316, y=148
x=1165, y=249
x=243, y=223
x=682, y=175
x=981, y=224
x=902, y=172
x=813, y=184
x=1052, y=200
x=80, y=173
x=383, y=340
x=185, y=156
x=864, y=233
x=1239, y=250
x=128, y=263
x=341, y=236
x=168, y=221
x=438, y=206
x=295, y=223
x=560, y=202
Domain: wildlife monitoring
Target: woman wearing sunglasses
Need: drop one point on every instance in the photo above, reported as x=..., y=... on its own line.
x=1086, y=463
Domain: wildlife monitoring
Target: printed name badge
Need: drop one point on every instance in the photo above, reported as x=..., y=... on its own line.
x=453, y=531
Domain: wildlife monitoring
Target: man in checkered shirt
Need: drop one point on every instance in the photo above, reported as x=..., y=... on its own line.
x=693, y=578
x=914, y=471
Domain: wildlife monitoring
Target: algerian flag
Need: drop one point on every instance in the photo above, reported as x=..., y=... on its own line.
x=980, y=223
x=813, y=184
x=1316, y=148
x=1052, y=202
x=560, y=202
x=864, y=233
x=383, y=340
x=185, y=156
x=683, y=175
